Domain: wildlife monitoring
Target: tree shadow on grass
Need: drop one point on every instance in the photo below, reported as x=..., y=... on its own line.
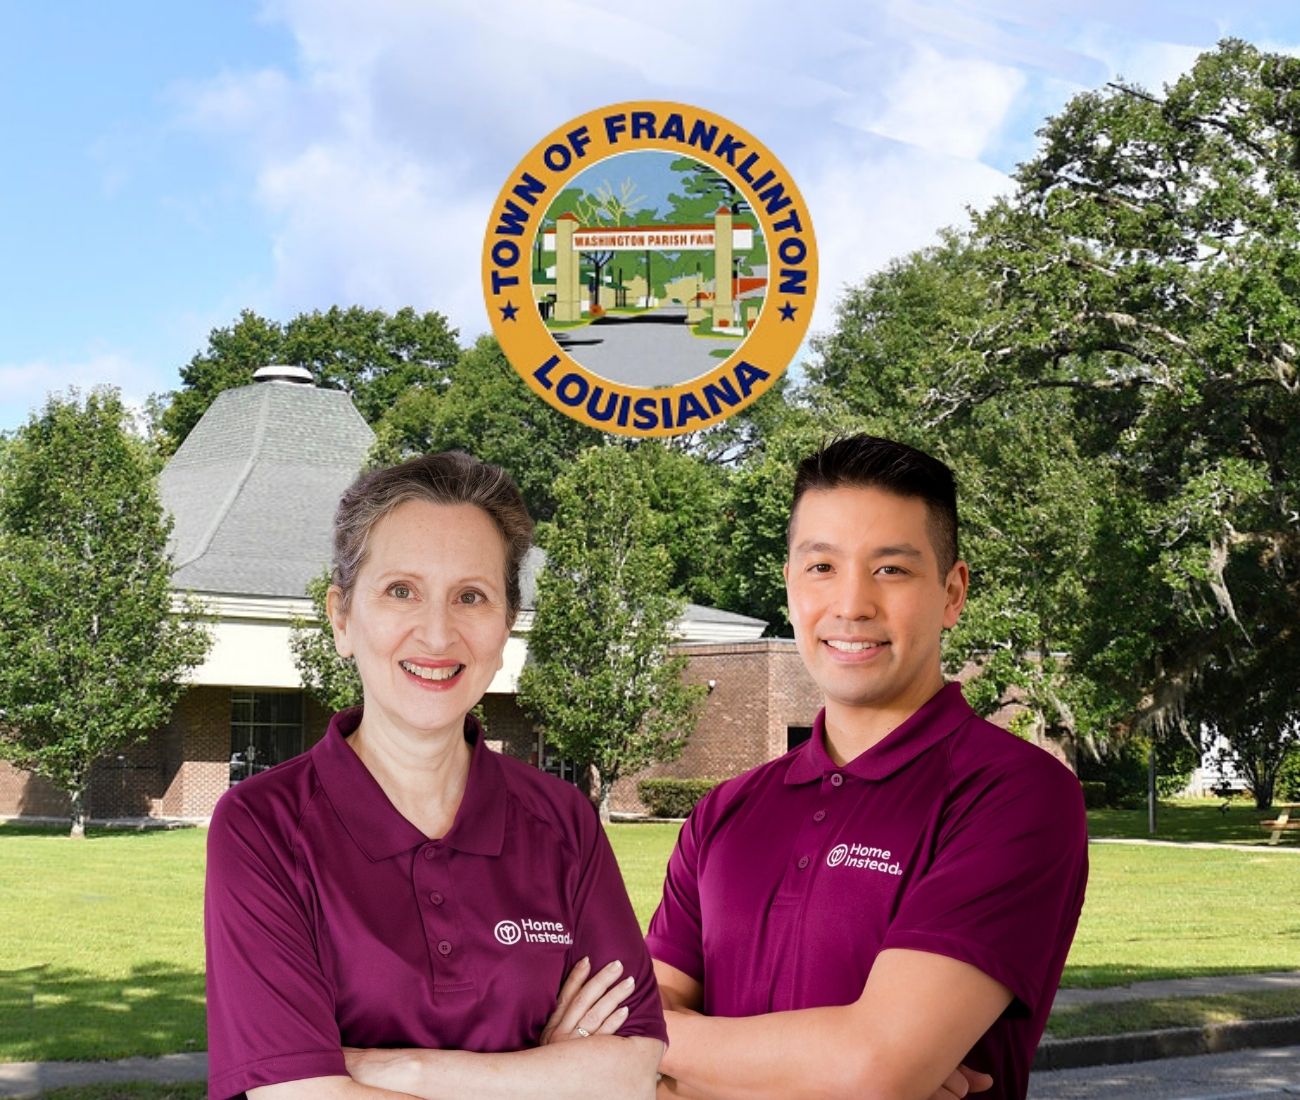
x=1238, y=823
x=93, y=832
x=50, y=1013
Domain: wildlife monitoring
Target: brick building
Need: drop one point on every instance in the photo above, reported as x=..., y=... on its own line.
x=252, y=494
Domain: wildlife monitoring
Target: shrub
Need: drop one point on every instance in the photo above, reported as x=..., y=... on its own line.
x=673, y=797
x=1123, y=768
x=1094, y=793
x=1288, y=778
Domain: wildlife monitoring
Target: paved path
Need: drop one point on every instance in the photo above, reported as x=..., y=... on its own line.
x=1241, y=1075
x=33, y=1078
x=1179, y=987
x=1204, y=845
x=644, y=349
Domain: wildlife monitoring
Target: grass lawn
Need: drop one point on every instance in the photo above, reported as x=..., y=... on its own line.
x=1195, y=819
x=102, y=951
x=1127, y=1016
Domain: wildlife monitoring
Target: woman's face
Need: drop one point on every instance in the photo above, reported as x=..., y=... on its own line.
x=427, y=622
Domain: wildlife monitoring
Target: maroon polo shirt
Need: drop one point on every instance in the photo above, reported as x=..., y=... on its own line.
x=950, y=836
x=332, y=921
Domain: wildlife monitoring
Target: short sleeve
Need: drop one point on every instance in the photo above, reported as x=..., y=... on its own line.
x=270, y=1009
x=605, y=928
x=1005, y=887
x=676, y=932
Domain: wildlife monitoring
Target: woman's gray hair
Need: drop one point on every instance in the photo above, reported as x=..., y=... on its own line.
x=452, y=477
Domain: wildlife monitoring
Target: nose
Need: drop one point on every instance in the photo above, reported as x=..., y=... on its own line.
x=856, y=594
x=435, y=627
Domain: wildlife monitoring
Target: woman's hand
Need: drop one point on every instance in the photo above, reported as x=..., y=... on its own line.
x=588, y=1003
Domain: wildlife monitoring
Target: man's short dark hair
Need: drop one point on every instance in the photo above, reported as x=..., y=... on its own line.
x=867, y=461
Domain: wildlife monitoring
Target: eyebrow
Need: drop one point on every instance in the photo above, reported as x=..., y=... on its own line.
x=473, y=578
x=903, y=550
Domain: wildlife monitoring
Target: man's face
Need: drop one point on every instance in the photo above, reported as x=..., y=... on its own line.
x=867, y=601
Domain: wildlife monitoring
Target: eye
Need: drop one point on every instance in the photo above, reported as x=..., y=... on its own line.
x=893, y=570
x=472, y=596
x=819, y=567
x=399, y=590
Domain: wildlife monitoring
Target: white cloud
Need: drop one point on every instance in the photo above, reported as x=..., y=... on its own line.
x=376, y=157
x=367, y=225
x=953, y=106
x=870, y=210
x=26, y=386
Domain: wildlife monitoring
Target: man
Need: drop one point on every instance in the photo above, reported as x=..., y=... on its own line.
x=897, y=895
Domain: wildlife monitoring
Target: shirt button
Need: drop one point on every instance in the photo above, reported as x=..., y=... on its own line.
x=837, y=780
x=429, y=853
x=803, y=862
x=820, y=815
x=444, y=947
x=436, y=898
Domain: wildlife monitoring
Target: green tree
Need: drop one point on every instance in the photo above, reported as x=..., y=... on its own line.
x=95, y=657
x=375, y=356
x=1108, y=360
x=1149, y=267
x=601, y=682
x=330, y=679
x=488, y=411
x=1246, y=693
x=232, y=355
x=687, y=499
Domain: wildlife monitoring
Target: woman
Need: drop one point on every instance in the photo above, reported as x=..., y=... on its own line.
x=393, y=912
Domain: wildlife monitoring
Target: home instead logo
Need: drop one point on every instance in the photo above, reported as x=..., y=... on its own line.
x=511, y=932
x=864, y=857
x=649, y=269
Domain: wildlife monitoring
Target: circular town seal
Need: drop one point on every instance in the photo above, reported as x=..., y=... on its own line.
x=649, y=268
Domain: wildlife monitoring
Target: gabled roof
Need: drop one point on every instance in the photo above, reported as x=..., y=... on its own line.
x=253, y=488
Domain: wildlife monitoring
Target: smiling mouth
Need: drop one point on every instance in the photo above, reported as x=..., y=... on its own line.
x=853, y=647
x=433, y=675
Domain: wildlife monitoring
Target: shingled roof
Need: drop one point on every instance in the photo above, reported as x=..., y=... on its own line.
x=253, y=488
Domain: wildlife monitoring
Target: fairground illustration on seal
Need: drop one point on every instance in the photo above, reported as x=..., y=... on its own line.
x=649, y=268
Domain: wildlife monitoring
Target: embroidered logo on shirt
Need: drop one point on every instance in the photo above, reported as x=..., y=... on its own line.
x=864, y=857
x=511, y=932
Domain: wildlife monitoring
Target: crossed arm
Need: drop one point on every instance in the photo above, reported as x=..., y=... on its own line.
x=567, y=1064
x=902, y=1039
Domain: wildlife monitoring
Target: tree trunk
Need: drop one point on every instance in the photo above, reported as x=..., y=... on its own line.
x=78, y=831
x=1263, y=792
x=604, y=803
x=1151, y=790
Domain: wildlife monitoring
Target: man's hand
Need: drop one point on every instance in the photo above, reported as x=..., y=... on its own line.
x=590, y=1002
x=963, y=1081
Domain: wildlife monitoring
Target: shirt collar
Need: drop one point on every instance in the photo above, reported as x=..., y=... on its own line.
x=929, y=724
x=374, y=823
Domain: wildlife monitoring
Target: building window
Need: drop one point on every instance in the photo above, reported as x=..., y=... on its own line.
x=265, y=730
x=553, y=763
x=796, y=735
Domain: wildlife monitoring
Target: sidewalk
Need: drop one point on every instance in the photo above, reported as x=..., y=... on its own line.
x=1178, y=1042
x=33, y=1078
x=30, y=1079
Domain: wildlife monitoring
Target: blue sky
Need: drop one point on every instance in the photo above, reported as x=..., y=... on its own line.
x=165, y=165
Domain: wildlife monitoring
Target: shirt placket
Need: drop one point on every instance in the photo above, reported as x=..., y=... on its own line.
x=440, y=912
x=809, y=849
